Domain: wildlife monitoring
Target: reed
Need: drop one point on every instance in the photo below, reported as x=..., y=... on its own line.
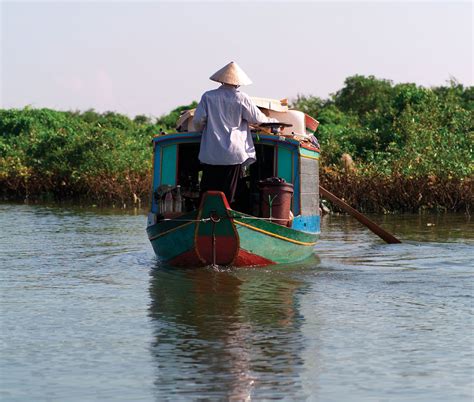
x=382, y=193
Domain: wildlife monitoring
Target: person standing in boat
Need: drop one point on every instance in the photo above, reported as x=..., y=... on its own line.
x=223, y=115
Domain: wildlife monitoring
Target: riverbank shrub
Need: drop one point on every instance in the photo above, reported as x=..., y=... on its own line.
x=57, y=155
x=400, y=129
x=412, y=148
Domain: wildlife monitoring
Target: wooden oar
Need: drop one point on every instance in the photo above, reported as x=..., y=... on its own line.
x=383, y=234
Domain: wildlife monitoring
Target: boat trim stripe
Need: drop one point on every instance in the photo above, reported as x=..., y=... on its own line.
x=170, y=230
x=303, y=243
x=310, y=157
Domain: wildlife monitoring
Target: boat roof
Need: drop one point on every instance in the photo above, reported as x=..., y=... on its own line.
x=259, y=137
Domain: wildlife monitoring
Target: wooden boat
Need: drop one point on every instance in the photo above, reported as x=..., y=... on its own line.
x=208, y=231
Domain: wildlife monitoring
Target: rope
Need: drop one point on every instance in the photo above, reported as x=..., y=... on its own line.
x=221, y=217
x=270, y=203
x=259, y=218
x=185, y=220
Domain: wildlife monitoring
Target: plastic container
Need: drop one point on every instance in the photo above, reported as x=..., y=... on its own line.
x=275, y=199
x=168, y=204
x=178, y=200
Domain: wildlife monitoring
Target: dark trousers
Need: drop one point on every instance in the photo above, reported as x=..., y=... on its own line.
x=221, y=178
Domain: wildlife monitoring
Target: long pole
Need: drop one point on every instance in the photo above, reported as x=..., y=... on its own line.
x=383, y=234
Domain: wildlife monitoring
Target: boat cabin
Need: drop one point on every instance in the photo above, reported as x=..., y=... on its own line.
x=291, y=154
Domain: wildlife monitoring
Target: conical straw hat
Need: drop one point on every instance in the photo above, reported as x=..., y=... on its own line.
x=231, y=74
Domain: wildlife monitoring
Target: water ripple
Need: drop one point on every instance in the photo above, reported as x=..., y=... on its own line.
x=89, y=313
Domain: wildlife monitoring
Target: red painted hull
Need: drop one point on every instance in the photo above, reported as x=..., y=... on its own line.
x=243, y=259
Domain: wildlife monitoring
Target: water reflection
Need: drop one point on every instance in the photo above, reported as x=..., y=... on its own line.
x=226, y=334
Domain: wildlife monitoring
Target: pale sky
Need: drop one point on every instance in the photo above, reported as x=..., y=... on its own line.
x=150, y=57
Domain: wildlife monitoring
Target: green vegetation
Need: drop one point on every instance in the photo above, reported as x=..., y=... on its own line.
x=52, y=155
x=58, y=155
x=412, y=148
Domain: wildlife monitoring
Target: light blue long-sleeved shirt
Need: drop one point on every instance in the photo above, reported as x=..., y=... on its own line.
x=224, y=115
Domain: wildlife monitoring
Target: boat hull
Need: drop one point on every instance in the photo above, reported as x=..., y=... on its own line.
x=218, y=235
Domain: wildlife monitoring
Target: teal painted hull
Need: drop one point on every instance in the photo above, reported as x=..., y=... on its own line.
x=171, y=239
x=271, y=248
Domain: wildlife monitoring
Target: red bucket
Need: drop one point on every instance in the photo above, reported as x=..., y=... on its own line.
x=275, y=199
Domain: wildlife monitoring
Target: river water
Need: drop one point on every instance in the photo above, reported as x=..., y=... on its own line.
x=89, y=314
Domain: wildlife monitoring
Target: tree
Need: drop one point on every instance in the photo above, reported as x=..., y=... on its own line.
x=362, y=95
x=168, y=121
